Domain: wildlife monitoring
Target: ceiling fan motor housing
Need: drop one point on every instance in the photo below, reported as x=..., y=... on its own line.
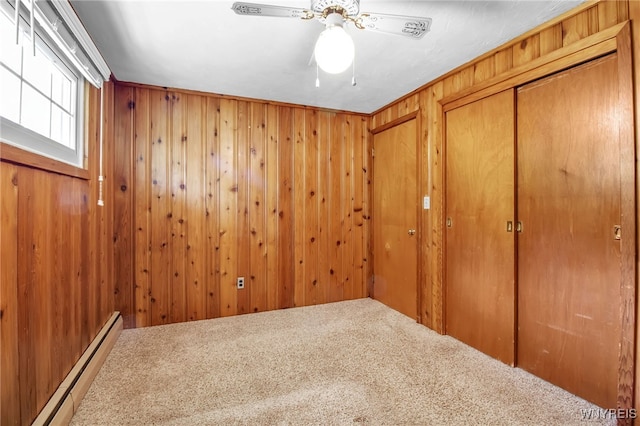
x=351, y=7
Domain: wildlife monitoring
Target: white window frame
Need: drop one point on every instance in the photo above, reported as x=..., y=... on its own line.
x=59, y=29
x=17, y=135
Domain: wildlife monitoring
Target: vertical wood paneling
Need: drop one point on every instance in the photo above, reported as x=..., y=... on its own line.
x=312, y=294
x=580, y=26
x=334, y=190
x=160, y=207
x=484, y=70
x=10, y=391
x=195, y=212
x=436, y=220
x=142, y=210
x=177, y=187
x=39, y=291
x=626, y=10
x=271, y=189
x=550, y=39
x=91, y=229
x=286, y=254
x=503, y=61
x=575, y=26
x=425, y=189
x=358, y=190
x=26, y=345
x=256, y=207
x=346, y=183
x=101, y=269
x=466, y=77
x=226, y=188
x=122, y=204
x=242, y=257
x=366, y=210
x=257, y=180
x=228, y=207
x=324, y=187
x=299, y=196
x=59, y=229
x=212, y=203
x=527, y=50
x=55, y=258
x=607, y=14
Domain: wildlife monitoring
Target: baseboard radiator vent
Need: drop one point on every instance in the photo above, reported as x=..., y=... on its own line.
x=66, y=399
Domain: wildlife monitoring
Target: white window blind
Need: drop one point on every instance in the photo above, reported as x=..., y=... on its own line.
x=45, y=57
x=58, y=19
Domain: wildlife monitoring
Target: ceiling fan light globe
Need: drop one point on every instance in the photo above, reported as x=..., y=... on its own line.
x=334, y=50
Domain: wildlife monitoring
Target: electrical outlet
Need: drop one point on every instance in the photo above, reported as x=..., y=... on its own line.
x=240, y=282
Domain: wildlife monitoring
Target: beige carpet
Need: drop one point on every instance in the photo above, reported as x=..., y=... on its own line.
x=354, y=362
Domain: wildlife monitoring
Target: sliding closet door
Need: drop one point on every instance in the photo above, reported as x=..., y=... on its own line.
x=569, y=192
x=480, y=258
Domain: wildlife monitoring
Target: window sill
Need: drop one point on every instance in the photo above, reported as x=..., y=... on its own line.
x=19, y=156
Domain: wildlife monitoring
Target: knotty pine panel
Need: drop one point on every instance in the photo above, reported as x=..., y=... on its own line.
x=195, y=217
x=56, y=255
x=242, y=182
x=10, y=395
x=122, y=196
x=271, y=206
x=223, y=188
x=285, y=253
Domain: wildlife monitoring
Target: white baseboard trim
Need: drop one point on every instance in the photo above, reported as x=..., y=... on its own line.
x=66, y=400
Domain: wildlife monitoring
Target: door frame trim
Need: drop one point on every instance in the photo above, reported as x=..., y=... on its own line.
x=400, y=120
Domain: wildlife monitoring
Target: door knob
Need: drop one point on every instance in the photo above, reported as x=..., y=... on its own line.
x=412, y=232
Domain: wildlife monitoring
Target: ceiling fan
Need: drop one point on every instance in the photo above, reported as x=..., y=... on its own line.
x=334, y=49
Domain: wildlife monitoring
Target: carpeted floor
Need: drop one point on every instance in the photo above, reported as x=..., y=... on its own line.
x=354, y=362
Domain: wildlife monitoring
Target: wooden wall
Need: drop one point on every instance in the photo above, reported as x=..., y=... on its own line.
x=208, y=189
x=567, y=36
x=201, y=189
x=56, y=288
x=475, y=76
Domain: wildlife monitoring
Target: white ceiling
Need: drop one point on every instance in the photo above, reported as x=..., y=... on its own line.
x=203, y=45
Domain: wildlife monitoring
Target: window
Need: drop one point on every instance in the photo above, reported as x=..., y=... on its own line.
x=42, y=94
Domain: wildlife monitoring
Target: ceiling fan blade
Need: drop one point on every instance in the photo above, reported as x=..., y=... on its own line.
x=255, y=9
x=410, y=26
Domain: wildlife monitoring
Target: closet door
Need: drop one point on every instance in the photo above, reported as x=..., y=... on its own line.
x=569, y=192
x=480, y=257
x=395, y=213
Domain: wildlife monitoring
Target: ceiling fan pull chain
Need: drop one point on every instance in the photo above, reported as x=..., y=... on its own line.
x=317, y=76
x=353, y=71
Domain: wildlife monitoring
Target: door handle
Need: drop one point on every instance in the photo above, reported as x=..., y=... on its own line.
x=519, y=226
x=509, y=226
x=412, y=232
x=449, y=222
x=617, y=232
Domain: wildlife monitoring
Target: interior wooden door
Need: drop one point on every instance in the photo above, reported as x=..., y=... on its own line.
x=480, y=242
x=569, y=310
x=394, y=220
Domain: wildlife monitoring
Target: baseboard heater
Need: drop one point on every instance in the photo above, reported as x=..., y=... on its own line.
x=66, y=399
